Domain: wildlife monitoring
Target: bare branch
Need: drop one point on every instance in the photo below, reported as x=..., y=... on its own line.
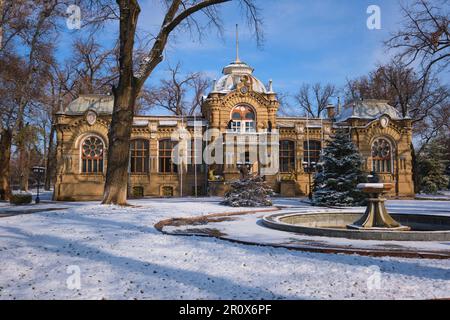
x=425, y=35
x=314, y=99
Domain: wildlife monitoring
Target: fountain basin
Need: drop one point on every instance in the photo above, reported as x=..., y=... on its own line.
x=334, y=224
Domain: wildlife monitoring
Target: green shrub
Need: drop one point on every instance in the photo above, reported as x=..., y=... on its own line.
x=21, y=198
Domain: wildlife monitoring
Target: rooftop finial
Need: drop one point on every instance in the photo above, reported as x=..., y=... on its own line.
x=270, y=86
x=237, y=44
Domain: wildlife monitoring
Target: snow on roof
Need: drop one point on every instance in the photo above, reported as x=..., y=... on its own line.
x=367, y=109
x=98, y=102
x=282, y=123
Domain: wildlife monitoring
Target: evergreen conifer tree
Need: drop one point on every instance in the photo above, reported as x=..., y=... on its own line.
x=249, y=191
x=432, y=166
x=339, y=174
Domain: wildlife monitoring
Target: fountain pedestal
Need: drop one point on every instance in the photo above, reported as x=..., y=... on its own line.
x=376, y=216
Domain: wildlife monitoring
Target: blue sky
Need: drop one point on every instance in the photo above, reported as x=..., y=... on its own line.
x=306, y=41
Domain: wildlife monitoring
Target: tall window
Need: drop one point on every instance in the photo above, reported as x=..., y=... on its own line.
x=92, y=155
x=195, y=154
x=243, y=119
x=287, y=156
x=165, y=156
x=311, y=154
x=381, y=156
x=139, y=152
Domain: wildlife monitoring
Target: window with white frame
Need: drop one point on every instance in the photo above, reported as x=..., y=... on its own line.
x=243, y=119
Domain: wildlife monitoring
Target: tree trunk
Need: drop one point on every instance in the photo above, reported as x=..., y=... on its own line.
x=5, y=156
x=21, y=136
x=20, y=164
x=116, y=184
x=50, y=160
x=129, y=86
x=23, y=167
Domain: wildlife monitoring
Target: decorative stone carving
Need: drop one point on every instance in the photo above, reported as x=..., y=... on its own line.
x=299, y=128
x=384, y=121
x=91, y=117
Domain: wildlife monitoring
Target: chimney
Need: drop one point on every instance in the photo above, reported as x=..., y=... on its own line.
x=331, y=111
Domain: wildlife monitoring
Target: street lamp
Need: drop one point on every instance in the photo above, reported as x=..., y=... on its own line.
x=309, y=167
x=38, y=171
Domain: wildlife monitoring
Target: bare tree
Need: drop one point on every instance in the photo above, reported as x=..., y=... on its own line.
x=178, y=14
x=12, y=20
x=410, y=93
x=314, y=99
x=7, y=117
x=173, y=93
x=28, y=34
x=199, y=85
x=95, y=66
x=61, y=88
x=39, y=55
x=286, y=109
x=2, y=21
x=32, y=27
x=435, y=125
x=425, y=34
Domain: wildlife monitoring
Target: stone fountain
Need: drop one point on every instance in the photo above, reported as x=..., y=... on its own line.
x=373, y=224
x=376, y=216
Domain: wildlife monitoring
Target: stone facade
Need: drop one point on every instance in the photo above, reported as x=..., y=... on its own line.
x=238, y=107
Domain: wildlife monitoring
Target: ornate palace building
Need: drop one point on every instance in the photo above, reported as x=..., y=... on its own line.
x=239, y=108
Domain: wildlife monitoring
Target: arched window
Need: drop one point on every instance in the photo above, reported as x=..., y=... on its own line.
x=287, y=156
x=381, y=156
x=165, y=156
x=311, y=154
x=139, y=156
x=92, y=155
x=243, y=119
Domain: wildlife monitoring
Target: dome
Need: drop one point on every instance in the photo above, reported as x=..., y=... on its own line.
x=232, y=74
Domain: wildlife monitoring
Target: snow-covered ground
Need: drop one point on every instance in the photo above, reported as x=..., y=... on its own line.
x=249, y=229
x=120, y=255
x=441, y=195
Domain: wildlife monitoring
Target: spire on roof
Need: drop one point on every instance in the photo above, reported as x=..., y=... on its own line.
x=237, y=44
